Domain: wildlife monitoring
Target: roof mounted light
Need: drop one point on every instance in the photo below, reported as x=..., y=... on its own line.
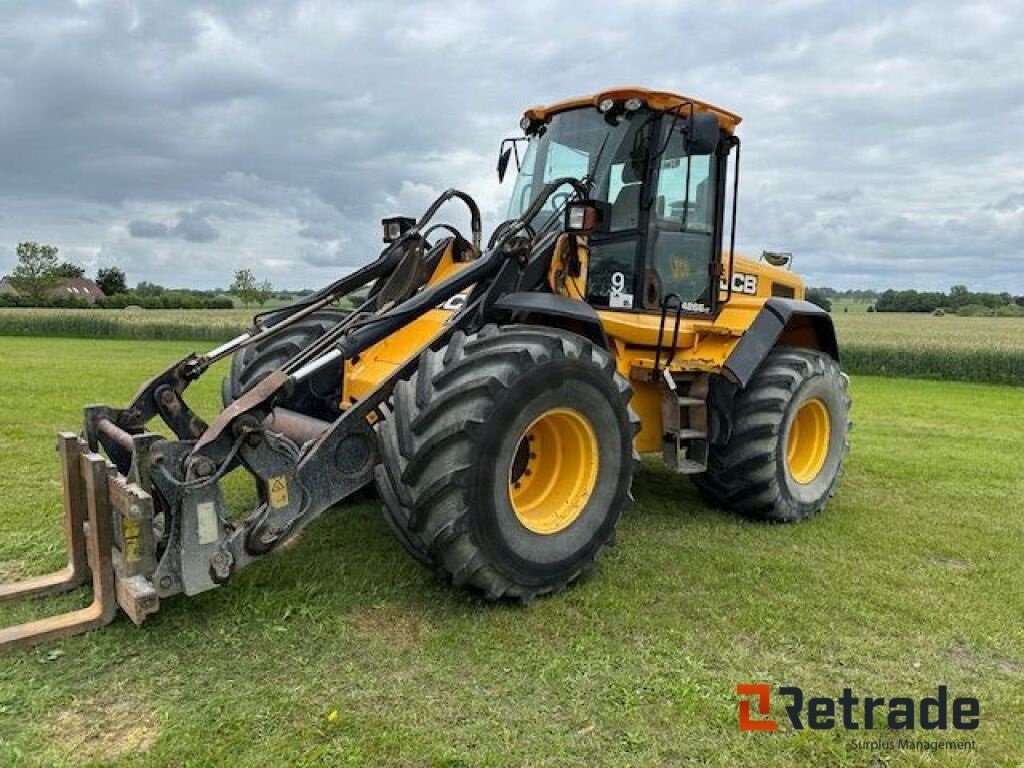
x=606, y=105
x=777, y=258
x=633, y=104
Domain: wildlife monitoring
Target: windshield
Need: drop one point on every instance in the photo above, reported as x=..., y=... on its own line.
x=581, y=143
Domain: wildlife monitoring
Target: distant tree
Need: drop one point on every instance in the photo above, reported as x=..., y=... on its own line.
x=910, y=301
x=817, y=296
x=244, y=286
x=67, y=270
x=264, y=292
x=112, y=281
x=959, y=295
x=1009, y=310
x=149, y=289
x=37, y=272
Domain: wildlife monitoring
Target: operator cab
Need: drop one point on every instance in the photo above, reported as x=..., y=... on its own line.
x=659, y=162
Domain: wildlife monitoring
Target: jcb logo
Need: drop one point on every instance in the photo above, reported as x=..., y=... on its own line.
x=763, y=693
x=741, y=283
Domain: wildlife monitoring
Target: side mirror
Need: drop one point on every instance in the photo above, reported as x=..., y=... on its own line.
x=587, y=217
x=503, y=159
x=702, y=134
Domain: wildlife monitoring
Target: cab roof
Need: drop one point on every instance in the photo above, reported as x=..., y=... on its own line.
x=661, y=101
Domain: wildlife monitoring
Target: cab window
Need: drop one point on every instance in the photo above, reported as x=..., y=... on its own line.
x=683, y=227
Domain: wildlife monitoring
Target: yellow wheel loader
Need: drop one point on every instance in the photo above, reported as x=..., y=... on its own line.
x=498, y=395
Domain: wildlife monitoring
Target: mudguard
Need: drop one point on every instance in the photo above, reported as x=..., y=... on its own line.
x=786, y=321
x=551, y=308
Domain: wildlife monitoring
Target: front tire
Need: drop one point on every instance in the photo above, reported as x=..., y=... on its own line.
x=784, y=456
x=319, y=396
x=507, y=459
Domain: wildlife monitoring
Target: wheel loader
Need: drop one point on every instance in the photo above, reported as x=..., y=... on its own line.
x=499, y=395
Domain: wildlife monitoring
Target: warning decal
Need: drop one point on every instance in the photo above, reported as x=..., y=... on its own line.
x=279, y=492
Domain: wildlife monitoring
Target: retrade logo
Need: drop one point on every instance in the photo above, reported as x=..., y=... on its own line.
x=852, y=713
x=763, y=693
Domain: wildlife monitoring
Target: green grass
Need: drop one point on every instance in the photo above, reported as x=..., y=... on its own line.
x=342, y=651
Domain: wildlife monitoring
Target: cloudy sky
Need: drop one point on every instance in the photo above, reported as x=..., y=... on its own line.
x=182, y=140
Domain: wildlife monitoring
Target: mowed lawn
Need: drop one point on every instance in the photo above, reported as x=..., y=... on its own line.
x=343, y=651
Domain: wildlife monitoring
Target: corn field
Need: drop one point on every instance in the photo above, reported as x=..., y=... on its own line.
x=984, y=349
x=182, y=324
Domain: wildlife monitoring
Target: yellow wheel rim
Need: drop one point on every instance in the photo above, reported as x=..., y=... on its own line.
x=809, y=437
x=554, y=470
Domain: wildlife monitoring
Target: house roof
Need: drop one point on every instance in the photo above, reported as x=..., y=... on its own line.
x=69, y=287
x=79, y=286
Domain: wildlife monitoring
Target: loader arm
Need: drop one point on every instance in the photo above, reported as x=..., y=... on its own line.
x=169, y=529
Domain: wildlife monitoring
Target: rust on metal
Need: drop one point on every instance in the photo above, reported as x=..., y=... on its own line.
x=297, y=426
x=115, y=433
x=77, y=570
x=86, y=510
x=246, y=402
x=133, y=512
x=137, y=597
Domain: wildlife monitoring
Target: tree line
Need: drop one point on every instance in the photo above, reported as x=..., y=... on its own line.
x=40, y=271
x=959, y=300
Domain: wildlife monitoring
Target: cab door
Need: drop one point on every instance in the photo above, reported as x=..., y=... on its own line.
x=683, y=243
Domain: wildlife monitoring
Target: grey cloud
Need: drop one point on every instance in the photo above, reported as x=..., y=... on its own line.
x=321, y=254
x=190, y=226
x=318, y=231
x=194, y=228
x=147, y=229
x=1010, y=204
x=881, y=140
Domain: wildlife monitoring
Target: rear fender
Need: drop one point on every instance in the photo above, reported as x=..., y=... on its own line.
x=781, y=321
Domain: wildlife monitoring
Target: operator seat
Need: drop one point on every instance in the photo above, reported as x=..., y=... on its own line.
x=626, y=208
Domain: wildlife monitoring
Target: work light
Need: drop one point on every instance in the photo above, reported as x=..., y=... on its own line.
x=395, y=227
x=583, y=217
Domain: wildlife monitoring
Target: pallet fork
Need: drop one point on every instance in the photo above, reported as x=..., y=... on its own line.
x=92, y=492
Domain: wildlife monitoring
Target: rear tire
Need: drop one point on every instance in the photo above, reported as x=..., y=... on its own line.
x=318, y=396
x=785, y=454
x=460, y=437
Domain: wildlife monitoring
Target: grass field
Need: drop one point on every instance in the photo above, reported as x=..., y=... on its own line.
x=984, y=349
x=843, y=306
x=342, y=651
